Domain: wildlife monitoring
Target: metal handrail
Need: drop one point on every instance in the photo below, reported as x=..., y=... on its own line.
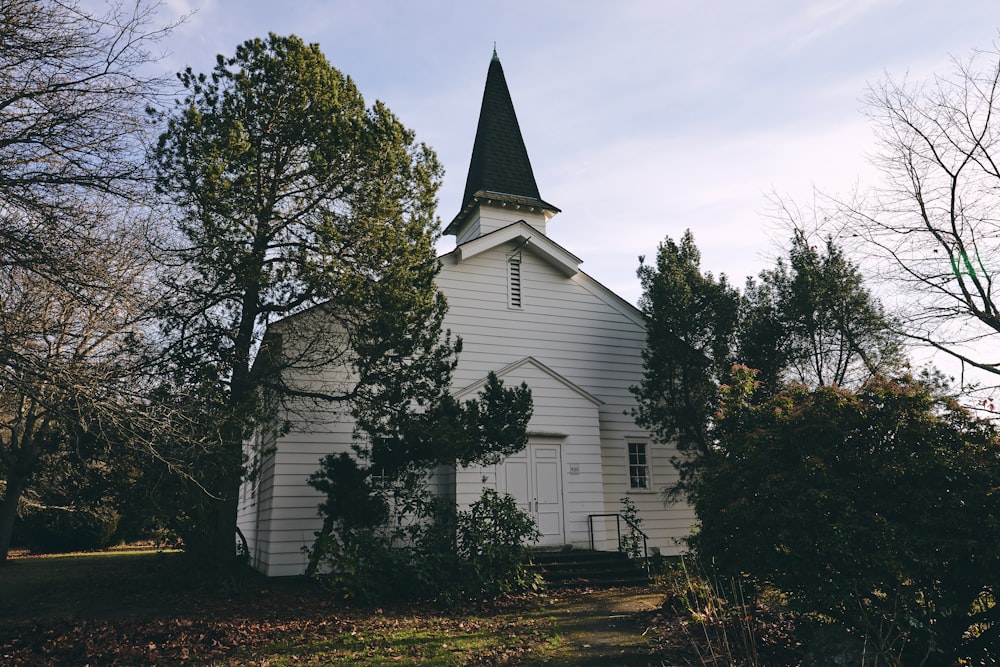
x=631, y=524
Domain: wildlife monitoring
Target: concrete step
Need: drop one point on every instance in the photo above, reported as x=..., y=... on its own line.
x=581, y=567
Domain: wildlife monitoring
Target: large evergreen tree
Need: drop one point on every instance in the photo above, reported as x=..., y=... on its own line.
x=690, y=336
x=810, y=320
x=290, y=194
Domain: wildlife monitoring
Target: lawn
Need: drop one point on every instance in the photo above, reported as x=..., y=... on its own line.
x=148, y=607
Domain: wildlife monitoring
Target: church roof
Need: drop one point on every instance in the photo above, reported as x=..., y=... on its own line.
x=500, y=168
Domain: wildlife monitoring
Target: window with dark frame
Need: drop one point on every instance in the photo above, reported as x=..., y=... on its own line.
x=380, y=479
x=638, y=466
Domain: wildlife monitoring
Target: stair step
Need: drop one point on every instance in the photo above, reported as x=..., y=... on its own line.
x=579, y=567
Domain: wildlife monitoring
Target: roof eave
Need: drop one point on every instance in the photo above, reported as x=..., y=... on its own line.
x=499, y=200
x=521, y=233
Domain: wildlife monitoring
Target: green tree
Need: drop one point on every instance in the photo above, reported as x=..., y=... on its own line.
x=292, y=198
x=811, y=319
x=875, y=507
x=691, y=323
x=397, y=448
x=72, y=503
x=378, y=500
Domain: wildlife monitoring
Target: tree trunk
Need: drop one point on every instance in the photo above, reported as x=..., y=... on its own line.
x=8, y=512
x=241, y=397
x=223, y=540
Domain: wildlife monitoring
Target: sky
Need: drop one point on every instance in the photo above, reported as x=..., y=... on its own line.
x=642, y=118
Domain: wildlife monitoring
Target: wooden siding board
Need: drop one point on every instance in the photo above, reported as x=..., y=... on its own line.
x=572, y=326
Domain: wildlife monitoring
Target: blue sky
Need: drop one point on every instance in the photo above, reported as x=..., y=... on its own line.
x=642, y=118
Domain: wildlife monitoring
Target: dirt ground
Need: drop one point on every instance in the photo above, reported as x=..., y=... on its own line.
x=141, y=609
x=599, y=628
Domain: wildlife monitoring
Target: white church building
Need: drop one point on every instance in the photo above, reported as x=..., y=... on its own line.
x=525, y=311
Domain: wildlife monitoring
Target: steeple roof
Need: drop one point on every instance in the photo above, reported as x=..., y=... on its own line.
x=500, y=169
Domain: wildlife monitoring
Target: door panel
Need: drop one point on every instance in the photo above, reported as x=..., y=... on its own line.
x=534, y=478
x=518, y=482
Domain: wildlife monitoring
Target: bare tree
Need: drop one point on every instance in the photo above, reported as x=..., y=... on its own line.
x=69, y=358
x=73, y=95
x=936, y=217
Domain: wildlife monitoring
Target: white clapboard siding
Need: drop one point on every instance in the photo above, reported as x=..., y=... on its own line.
x=576, y=345
x=282, y=511
x=488, y=219
x=568, y=417
x=585, y=334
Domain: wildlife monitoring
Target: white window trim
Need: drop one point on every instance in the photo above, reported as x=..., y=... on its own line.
x=649, y=488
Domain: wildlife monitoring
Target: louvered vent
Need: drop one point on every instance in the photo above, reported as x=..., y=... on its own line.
x=514, y=281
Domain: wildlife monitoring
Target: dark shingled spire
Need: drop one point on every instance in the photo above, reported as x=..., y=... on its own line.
x=500, y=164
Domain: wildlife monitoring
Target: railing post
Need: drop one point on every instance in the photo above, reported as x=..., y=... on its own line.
x=645, y=555
x=618, y=528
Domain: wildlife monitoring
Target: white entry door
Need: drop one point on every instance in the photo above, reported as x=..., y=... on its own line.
x=534, y=478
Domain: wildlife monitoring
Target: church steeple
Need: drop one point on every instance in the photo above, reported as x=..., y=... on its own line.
x=500, y=173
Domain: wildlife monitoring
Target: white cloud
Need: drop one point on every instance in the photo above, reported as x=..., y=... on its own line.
x=642, y=117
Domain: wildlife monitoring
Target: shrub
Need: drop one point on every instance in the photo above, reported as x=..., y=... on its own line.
x=876, y=508
x=492, y=549
x=428, y=549
x=631, y=540
x=362, y=566
x=57, y=529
